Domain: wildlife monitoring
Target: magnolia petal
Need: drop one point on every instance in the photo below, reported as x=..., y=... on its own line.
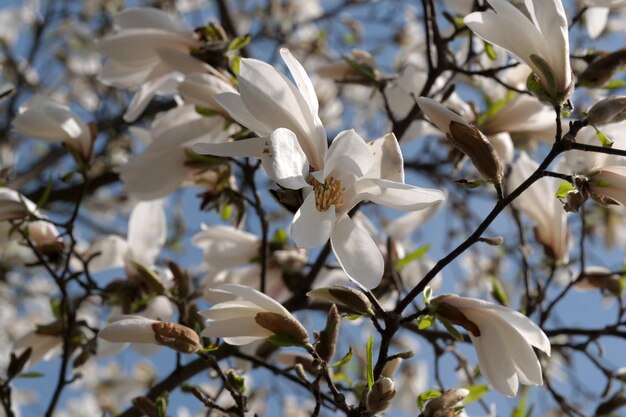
x=145, y=179
x=526, y=363
x=251, y=148
x=235, y=327
x=495, y=361
x=394, y=194
x=112, y=252
x=357, y=253
x=389, y=161
x=303, y=82
x=234, y=105
x=596, y=19
x=288, y=165
x=310, y=227
x=199, y=89
x=146, y=92
x=150, y=18
x=232, y=309
x=439, y=114
x=147, y=231
x=129, y=329
x=348, y=152
x=256, y=297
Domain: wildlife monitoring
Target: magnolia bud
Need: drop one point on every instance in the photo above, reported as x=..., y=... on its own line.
x=477, y=147
x=176, y=336
x=602, y=69
x=327, y=341
x=620, y=374
x=444, y=404
x=345, y=296
x=600, y=278
x=282, y=325
x=45, y=236
x=607, y=111
x=607, y=185
x=391, y=366
x=379, y=397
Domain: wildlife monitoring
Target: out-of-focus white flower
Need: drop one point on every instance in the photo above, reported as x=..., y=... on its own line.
x=14, y=206
x=147, y=231
x=47, y=120
x=149, y=51
x=138, y=329
x=242, y=315
x=44, y=347
x=538, y=203
x=171, y=135
x=597, y=15
x=541, y=41
x=607, y=185
x=225, y=246
x=43, y=234
x=503, y=339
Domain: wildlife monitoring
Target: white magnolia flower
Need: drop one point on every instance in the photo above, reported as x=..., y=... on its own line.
x=172, y=134
x=333, y=179
x=149, y=51
x=147, y=232
x=225, y=246
x=242, y=315
x=44, y=119
x=14, y=206
x=503, y=339
x=541, y=41
x=538, y=203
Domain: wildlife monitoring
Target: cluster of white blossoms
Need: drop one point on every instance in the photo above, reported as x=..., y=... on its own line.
x=250, y=109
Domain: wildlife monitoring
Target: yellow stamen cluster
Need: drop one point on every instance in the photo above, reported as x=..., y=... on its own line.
x=328, y=193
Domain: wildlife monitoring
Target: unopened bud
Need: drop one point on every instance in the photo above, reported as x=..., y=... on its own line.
x=282, y=325
x=327, y=340
x=45, y=236
x=391, y=366
x=620, y=374
x=602, y=69
x=492, y=241
x=379, y=397
x=600, y=278
x=176, y=336
x=345, y=296
x=607, y=111
x=146, y=406
x=477, y=147
x=444, y=405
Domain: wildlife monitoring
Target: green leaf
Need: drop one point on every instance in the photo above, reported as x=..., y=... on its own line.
x=226, y=211
x=55, y=306
x=615, y=84
x=237, y=381
x=564, y=189
x=428, y=294
x=67, y=177
x=239, y=42
x=604, y=139
x=340, y=376
x=412, y=256
x=370, y=361
x=161, y=404
x=425, y=396
x=473, y=184
x=235, y=64
x=46, y=194
x=425, y=321
x=476, y=392
x=205, y=111
x=452, y=330
x=280, y=236
x=364, y=70
x=495, y=108
x=283, y=340
x=353, y=317
x=343, y=360
x=497, y=291
x=30, y=375
x=490, y=51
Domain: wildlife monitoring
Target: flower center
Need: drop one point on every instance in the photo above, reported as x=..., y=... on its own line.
x=328, y=193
